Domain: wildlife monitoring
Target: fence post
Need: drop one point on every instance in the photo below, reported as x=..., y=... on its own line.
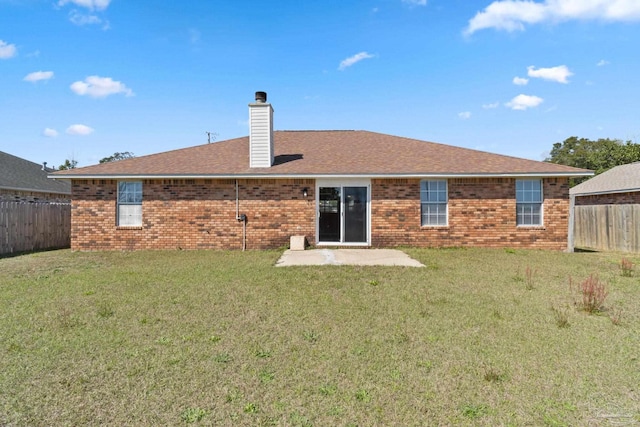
x=572, y=218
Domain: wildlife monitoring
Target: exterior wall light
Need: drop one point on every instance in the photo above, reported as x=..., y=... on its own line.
x=305, y=192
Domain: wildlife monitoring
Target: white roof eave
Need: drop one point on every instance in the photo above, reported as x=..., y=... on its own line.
x=327, y=175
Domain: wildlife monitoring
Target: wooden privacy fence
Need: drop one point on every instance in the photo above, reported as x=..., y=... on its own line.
x=34, y=226
x=607, y=227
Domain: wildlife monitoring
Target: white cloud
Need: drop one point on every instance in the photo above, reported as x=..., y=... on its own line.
x=79, y=130
x=100, y=87
x=602, y=63
x=491, y=106
x=520, y=81
x=49, y=133
x=7, y=50
x=89, y=4
x=37, y=76
x=557, y=74
x=522, y=102
x=513, y=15
x=465, y=115
x=346, y=63
x=80, y=19
x=415, y=2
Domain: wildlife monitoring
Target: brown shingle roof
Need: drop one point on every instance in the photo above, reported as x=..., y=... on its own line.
x=22, y=175
x=325, y=153
x=620, y=179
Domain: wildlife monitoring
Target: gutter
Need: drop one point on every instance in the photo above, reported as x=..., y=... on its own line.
x=321, y=176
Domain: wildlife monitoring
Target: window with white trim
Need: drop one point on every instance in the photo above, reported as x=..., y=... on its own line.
x=528, y=202
x=433, y=201
x=130, y=203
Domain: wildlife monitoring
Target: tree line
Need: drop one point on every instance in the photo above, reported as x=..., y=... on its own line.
x=599, y=155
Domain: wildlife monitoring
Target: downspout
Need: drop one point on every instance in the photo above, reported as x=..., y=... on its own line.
x=571, y=237
x=242, y=218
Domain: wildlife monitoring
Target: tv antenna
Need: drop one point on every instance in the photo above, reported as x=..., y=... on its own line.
x=210, y=135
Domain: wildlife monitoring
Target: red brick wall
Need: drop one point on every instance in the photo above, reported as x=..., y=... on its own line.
x=628, y=198
x=201, y=214
x=194, y=214
x=482, y=212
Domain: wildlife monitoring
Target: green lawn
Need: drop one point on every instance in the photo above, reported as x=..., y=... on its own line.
x=478, y=337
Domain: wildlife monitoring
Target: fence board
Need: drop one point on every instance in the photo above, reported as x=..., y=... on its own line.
x=608, y=227
x=34, y=226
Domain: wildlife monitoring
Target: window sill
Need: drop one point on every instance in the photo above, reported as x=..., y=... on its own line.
x=129, y=227
x=532, y=227
x=428, y=227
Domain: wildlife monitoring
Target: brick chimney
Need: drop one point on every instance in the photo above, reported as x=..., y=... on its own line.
x=260, y=132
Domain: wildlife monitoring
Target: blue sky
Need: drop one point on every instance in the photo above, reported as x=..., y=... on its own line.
x=82, y=79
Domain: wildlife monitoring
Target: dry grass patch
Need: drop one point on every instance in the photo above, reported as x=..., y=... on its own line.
x=224, y=338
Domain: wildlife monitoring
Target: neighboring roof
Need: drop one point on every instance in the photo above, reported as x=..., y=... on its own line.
x=619, y=179
x=22, y=175
x=325, y=154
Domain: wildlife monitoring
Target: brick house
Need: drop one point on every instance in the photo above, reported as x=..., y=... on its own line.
x=25, y=181
x=336, y=188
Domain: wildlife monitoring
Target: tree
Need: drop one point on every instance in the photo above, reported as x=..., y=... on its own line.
x=68, y=164
x=599, y=156
x=117, y=156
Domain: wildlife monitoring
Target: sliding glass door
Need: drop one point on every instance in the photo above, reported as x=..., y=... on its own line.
x=343, y=214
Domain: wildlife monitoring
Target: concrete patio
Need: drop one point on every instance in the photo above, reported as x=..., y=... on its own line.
x=392, y=257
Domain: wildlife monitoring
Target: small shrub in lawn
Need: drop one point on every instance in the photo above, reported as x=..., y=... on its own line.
x=328, y=389
x=222, y=358
x=262, y=353
x=593, y=292
x=266, y=376
x=626, y=267
x=233, y=396
x=311, y=336
x=363, y=395
x=561, y=315
x=105, y=311
x=335, y=411
x=493, y=376
x=192, y=415
x=474, y=411
x=250, y=408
